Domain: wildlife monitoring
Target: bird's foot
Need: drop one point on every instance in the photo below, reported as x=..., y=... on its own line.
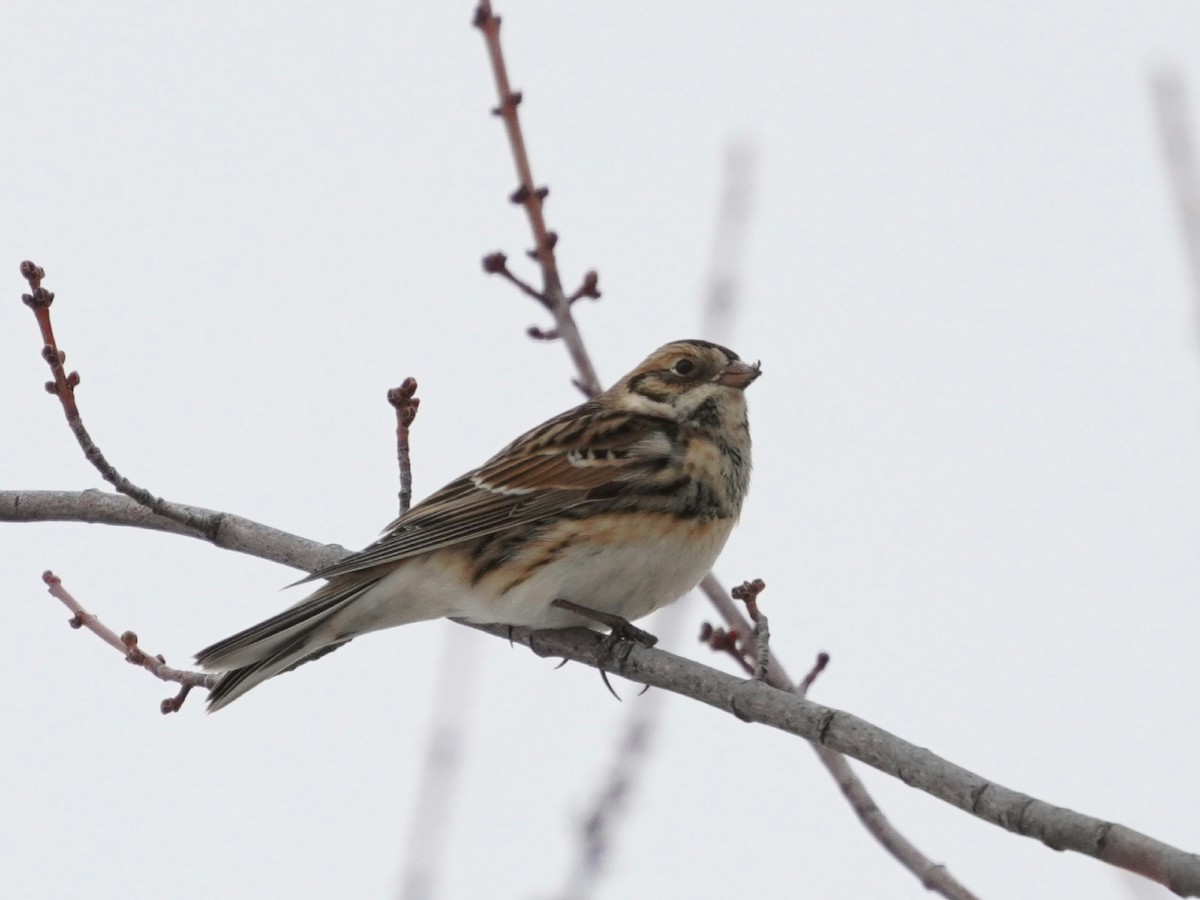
x=620, y=629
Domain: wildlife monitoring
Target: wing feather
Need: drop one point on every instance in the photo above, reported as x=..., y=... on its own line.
x=555, y=468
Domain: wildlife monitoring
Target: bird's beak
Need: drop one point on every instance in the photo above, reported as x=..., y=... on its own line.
x=739, y=374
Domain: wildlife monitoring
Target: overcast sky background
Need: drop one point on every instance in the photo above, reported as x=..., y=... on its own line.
x=977, y=434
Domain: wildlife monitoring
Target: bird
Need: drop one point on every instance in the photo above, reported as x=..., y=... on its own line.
x=603, y=513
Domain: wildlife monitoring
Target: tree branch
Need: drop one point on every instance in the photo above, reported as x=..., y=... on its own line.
x=752, y=701
x=63, y=386
x=127, y=645
x=755, y=701
x=532, y=197
x=933, y=876
x=224, y=530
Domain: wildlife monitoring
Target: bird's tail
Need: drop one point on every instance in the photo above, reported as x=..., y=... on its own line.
x=281, y=643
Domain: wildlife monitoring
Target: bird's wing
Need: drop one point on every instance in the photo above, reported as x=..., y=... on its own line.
x=562, y=464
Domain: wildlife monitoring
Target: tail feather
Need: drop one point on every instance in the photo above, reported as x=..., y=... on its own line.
x=234, y=683
x=280, y=643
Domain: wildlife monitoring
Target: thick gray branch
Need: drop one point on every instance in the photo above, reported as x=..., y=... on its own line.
x=227, y=531
x=751, y=701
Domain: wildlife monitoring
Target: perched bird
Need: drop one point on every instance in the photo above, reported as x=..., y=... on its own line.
x=618, y=506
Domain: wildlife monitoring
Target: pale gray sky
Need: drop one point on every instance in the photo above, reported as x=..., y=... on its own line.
x=977, y=435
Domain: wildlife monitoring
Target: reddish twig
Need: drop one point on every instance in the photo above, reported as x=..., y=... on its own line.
x=406, y=403
x=589, y=287
x=817, y=668
x=497, y=264
x=532, y=199
x=722, y=641
x=63, y=386
x=127, y=645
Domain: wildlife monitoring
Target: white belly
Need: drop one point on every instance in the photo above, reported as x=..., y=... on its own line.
x=607, y=572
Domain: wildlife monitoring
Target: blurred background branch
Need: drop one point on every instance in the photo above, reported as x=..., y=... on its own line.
x=1178, y=137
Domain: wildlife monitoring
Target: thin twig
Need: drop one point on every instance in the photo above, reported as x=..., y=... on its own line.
x=725, y=641
x=406, y=403
x=127, y=645
x=63, y=386
x=497, y=264
x=818, y=667
x=748, y=592
x=933, y=876
x=532, y=198
x=737, y=623
x=441, y=772
x=1179, y=150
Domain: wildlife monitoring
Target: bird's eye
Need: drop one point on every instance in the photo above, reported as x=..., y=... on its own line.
x=684, y=367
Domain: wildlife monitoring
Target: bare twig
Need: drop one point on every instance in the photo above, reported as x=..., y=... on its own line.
x=736, y=622
x=933, y=876
x=723, y=641
x=1179, y=149
x=748, y=592
x=1057, y=827
x=531, y=197
x=430, y=818
x=817, y=668
x=406, y=403
x=589, y=287
x=127, y=645
x=63, y=386
x=497, y=264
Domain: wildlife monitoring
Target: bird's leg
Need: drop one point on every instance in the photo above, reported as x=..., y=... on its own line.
x=621, y=628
